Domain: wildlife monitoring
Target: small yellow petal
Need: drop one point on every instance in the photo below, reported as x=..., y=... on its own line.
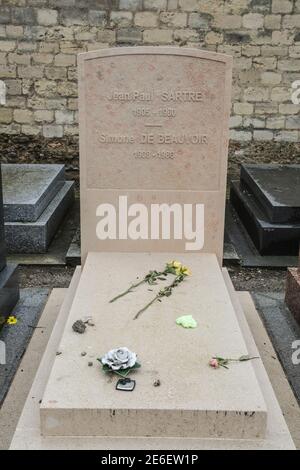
x=176, y=264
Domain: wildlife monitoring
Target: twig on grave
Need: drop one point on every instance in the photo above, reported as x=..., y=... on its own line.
x=166, y=291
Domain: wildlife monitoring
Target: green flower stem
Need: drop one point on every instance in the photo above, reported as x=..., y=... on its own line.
x=150, y=278
x=127, y=291
x=165, y=292
x=146, y=306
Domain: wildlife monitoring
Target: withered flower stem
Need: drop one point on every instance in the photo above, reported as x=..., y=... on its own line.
x=151, y=278
x=165, y=292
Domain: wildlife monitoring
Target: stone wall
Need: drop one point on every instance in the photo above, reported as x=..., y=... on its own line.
x=39, y=40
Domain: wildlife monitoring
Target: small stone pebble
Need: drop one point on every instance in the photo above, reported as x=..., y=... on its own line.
x=83, y=353
x=90, y=364
x=79, y=327
x=156, y=383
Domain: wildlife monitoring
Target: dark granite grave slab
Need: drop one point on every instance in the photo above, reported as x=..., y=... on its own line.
x=269, y=238
x=276, y=189
x=16, y=337
x=247, y=252
x=28, y=189
x=35, y=237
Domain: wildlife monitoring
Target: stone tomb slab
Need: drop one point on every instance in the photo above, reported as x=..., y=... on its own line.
x=193, y=400
x=28, y=189
x=277, y=189
x=269, y=238
x=35, y=237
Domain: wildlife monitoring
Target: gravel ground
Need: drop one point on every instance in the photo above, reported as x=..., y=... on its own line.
x=254, y=279
x=258, y=279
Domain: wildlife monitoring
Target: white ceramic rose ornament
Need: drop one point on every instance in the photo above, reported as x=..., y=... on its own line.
x=121, y=361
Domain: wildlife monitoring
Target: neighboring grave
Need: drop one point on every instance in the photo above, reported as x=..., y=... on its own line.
x=28, y=189
x=36, y=198
x=267, y=200
x=9, y=287
x=153, y=141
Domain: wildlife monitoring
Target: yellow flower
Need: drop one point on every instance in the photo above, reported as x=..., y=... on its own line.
x=185, y=270
x=12, y=320
x=175, y=265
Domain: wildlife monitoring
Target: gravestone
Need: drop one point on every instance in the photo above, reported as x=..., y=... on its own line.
x=9, y=287
x=36, y=198
x=292, y=294
x=153, y=156
x=267, y=201
x=153, y=133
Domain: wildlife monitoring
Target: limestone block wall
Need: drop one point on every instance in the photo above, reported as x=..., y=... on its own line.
x=39, y=40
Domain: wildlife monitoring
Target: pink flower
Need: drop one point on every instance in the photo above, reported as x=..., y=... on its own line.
x=214, y=363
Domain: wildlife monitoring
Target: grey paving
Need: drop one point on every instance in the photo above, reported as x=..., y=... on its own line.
x=16, y=337
x=28, y=189
x=9, y=291
x=35, y=237
x=283, y=331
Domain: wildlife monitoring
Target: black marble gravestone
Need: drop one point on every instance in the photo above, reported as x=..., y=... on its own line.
x=9, y=286
x=267, y=201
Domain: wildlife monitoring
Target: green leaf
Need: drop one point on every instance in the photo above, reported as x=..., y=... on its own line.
x=244, y=358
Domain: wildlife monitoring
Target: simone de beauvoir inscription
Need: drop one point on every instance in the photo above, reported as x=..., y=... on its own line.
x=166, y=109
x=154, y=130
